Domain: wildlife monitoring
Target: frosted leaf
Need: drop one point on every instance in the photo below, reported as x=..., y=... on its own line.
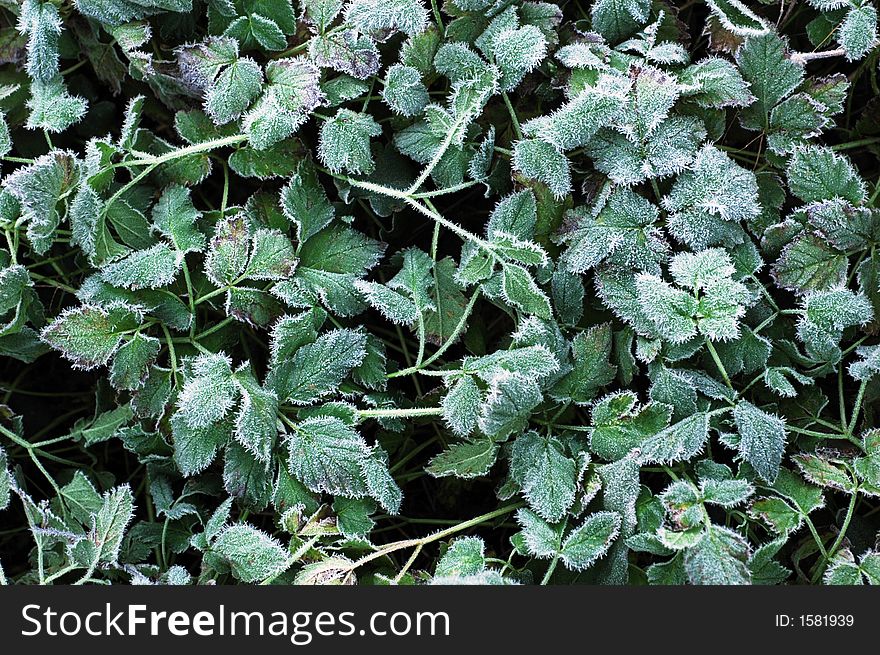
x=858, y=33
x=714, y=184
x=547, y=477
x=576, y=122
x=719, y=559
x=621, y=424
x=508, y=405
x=715, y=82
x=700, y=270
x=318, y=368
x=670, y=310
x=209, y=393
x=144, y=269
x=41, y=21
x=326, y=455
x=255, y=422
x=89, y=335
x=771, y=75
x=384, y=17
x=590, y=540
x=393, y=305
x=591, y=368
x=291, y=93
x=461, y=405
x=233, y=91
x=762, y=439
x=738, y=18
x=818, y=173
x=617, y=19
x=52, y=108
x=541, y=161
x=623, y=232
x=668, y=150
x=175, y=216
x=347, y=52
x=252, y=555
x=517, y=52
x=345, y=142
x=681, y=441
x=521, y=291
x=404, y=90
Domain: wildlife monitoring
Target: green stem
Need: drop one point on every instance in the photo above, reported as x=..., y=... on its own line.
x=718, y=363
x=437, y=536
x=820, y=569
x=399, y=413
x=550, y=570
x=446, y=345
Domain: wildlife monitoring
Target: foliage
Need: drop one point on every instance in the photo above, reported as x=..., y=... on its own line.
x=284, y=285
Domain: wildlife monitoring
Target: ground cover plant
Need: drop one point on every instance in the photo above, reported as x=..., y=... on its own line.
x=474, y=291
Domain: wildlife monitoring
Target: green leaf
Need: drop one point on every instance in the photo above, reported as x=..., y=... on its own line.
x=272, y=256
x=110, y=522
x=252, y=555
x=818, y=173
x=620, y=424
x=196, y=448
x=622, y=233
x=521, y=291
x=465, y=556
x=305, y=203
x=618, y=19
x=144, y=269
x=464, y=460
x=317, y=369
x=771, y=76
x=52, y=108
x=345, y=142
x=326, y=455
x=718, y=559
x=89, y=335
x=547, y=477
x=131, y=363
x=209, y=393
x=590, y=540
x=255, y=423
x=245, y=478
x=809, y=263
x=592, y=370
x=329, y=264
x=508, y=405
x=175, y=217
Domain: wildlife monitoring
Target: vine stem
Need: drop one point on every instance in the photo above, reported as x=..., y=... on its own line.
x=718, y=363
x=804, y=57
x=196, y=148
x=431, y=538
x=446, y=345
x=850, y=510
x=399, y=413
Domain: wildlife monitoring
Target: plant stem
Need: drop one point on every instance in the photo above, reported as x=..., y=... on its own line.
x=399, y=413
x=820, y=569
x=437, y=536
